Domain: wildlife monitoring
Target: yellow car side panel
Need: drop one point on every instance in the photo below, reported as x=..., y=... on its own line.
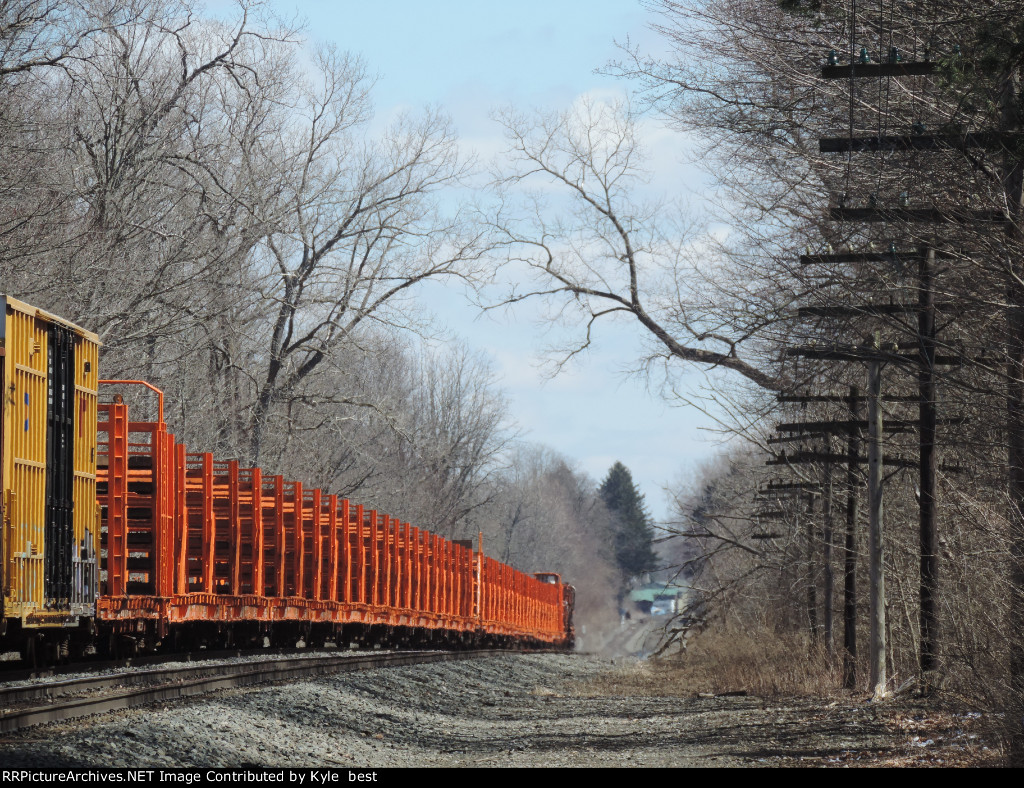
x=25, y=342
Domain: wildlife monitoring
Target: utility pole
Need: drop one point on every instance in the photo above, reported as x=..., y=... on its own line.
x=829, y=591
x=850, y=551
x=876, y=553
x=875, y=355
x=812, y=580
x=928, y=520
x=853, y=428
x=798, y=491
x=1013, y=178
x=1007, y=136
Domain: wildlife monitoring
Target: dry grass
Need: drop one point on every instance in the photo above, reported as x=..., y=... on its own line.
x=756, y=663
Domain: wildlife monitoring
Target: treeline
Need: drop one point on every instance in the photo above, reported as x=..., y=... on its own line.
x=207, y=195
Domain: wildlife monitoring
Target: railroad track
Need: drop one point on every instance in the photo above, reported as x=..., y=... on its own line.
x=184, y=682
x=14, y=671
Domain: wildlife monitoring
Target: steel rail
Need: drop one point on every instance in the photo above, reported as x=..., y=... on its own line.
x=228, y=677
x=53, y=689
x=14, y=671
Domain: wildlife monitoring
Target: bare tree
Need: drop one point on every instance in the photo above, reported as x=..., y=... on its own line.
x=360, y=227
x=36, y=34
x=455, y=434
x=137, y=128
x=546, y=515
x=594, y=252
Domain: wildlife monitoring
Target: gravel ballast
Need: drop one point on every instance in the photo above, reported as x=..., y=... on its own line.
x=514, y=710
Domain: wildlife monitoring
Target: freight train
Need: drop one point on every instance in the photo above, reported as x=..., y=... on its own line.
x=117, y=539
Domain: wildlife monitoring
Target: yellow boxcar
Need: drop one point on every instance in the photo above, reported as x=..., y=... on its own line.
x=49, y=374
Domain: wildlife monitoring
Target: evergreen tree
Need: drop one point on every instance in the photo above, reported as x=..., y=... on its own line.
x=634, y=536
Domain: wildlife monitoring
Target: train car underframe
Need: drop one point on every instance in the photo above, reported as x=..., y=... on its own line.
x=136, y=636
x=140, y=636
x=48, y=646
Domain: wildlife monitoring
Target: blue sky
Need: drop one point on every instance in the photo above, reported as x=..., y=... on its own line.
x=469, y=58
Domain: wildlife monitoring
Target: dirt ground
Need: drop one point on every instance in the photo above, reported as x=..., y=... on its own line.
x=843, y=729
x=542, y=710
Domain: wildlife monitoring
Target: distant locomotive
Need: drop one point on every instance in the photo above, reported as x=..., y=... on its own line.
x=115, y=537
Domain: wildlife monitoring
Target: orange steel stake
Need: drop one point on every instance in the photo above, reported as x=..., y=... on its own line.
x=457, y=552
x=407, y=532
x=394, y=600
x=332, y=546
x=280, y=548
x=449, y=585
x=360, y=556
x=318, y=542
x=477, y=576
x=164, y=493
x=150, y=386
x=421, y=571
x=398, y=599
x=301, y=567
x=208, y=524
x=374, y=558
x=442, y=575
x=257, y=532
x=432, y=578
x=234, y=533
x=180, y=520
x=414, y=558
x=386, y=584
x=346, y=546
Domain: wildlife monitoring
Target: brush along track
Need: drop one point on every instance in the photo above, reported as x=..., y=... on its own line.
x=174, y=683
